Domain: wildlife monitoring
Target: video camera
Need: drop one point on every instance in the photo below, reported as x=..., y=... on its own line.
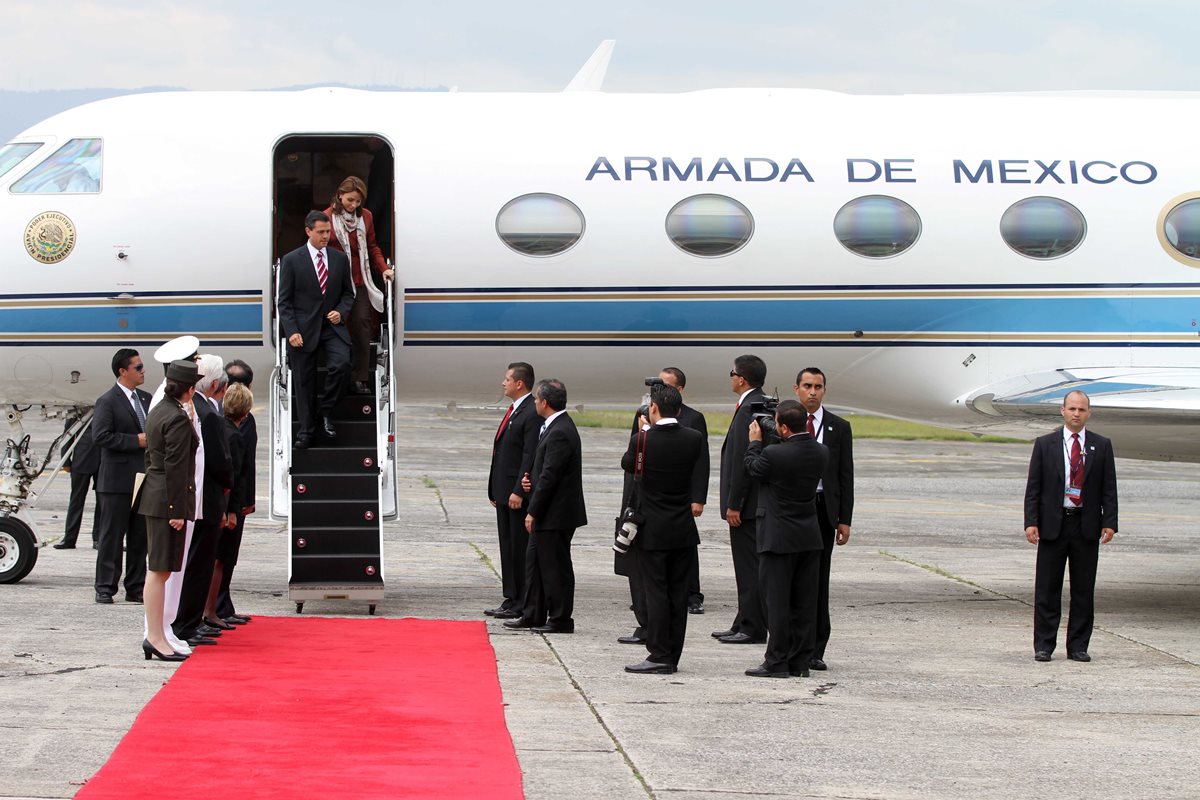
x=763, y=412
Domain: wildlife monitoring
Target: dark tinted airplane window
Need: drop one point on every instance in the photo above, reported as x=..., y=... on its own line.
x=539, y=224
x=709, y=225
x=877, y=226
x=73, y=169
x=1182, y=228
x=13, y=154
x=1042, y=227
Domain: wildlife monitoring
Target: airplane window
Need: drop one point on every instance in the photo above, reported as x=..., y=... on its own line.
x=709, y=225
x=540, y=224
x=13, y=154
x=73, y=169
x=877, y=226
x=1182, y=228
x=1042, y=227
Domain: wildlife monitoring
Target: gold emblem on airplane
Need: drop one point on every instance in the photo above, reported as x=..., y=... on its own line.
x=50, y=237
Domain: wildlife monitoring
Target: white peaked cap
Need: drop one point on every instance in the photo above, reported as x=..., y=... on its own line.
x=181, y=347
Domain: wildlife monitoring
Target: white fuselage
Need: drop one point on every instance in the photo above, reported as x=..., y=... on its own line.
x=187, y=201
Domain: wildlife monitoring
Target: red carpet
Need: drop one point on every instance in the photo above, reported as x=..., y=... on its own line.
x=323, y=708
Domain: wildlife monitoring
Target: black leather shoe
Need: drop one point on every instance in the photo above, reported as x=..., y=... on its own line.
x=220, y=625
x=151, y=652
x=327, y=428
x=738, y=638
x=302, y=443
x=550, y=628
x=1079, y=655
x=234, y=620
x=635, y=639
x=101, y=597
x=1041, y=655
x=199, y=640
x=696, y=608
x=133, y=598
x=651, y=668
x=507, y=613
x=518, y=623
x=723, y=634
x=798, y=673
x=64, y=546
x=209, y=631
x=818, y=664
x=761, y=671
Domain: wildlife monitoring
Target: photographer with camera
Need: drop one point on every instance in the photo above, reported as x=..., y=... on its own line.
x=689, y=418
x=667, y=461
x=739, y=504
x=789, y=538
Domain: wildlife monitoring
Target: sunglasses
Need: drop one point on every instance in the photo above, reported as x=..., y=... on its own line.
x=733, y=373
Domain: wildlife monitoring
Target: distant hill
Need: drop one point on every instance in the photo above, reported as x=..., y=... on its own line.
x=19, y=110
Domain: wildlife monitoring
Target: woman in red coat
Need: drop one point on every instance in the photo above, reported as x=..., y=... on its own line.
x=354, y=235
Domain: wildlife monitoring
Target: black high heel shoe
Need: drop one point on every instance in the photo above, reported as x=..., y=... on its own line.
x=150, y=652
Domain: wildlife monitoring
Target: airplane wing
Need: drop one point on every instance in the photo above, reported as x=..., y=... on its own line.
x=1134, y=396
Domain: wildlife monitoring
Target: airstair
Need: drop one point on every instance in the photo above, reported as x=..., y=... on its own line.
x=335, y=495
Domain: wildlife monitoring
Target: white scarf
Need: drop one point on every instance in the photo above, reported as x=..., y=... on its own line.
x=343, y=225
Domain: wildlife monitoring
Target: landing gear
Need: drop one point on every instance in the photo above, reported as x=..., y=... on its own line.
x=18, y=550
x=371, y=609
x=299, y=608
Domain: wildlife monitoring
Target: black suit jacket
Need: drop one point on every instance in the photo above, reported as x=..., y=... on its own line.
x=249, y=431
x=1047, y=483
x=241, y=494
x=689, y=418
x=85, y=458
x=787, y=508
x=513, y=452
x=838, y=480
x=115, y=432
x=169, y=490
x=738, y=491
x=556, y=499
x=218, y=466
x=302, y=307
x=675, y=459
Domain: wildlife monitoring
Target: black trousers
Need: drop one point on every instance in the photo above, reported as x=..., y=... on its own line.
x=227, y=553
x=120, y=524
x=81, y=484
x=789, y=583
x=751, y=615
x=1081, y=555
x=665, y=575
x=510, y=525
x=695, y=596
x=362, y=331
x=310, y=400
x=549, y=578
x=827, y=539
x=197, y=577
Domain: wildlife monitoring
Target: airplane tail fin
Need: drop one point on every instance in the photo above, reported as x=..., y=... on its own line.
x=590, y=77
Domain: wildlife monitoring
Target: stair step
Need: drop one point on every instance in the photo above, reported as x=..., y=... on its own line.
x=335, y=487
x=333, y=513
x=334, y=541
x=327, y=459
x=336, y=568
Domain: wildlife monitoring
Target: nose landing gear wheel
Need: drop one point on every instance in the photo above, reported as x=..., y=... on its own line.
x=18, y=550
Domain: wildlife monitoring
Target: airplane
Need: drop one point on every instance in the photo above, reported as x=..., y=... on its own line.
x=961, y=260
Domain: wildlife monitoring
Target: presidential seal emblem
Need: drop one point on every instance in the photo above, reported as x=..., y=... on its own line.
x=50, y=237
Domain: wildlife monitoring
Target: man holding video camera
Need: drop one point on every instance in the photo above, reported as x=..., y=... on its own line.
x=667, y=460
x=789, y=538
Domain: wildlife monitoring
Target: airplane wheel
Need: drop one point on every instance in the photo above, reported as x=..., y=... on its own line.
x=299, y=608
x=371, y=608
x=18, y=551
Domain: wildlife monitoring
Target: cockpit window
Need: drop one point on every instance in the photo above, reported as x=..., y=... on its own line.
x=13, y=154
x=73, y=169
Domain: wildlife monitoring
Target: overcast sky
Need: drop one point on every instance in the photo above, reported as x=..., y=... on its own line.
x=874, y=46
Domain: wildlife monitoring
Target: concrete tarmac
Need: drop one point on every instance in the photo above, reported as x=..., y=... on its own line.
x=931, y=691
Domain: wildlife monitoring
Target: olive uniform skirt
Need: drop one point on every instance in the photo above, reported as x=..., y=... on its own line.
x=164, y=545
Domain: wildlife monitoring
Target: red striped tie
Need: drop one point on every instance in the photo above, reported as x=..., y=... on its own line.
x=322, y=273
x=811, y=419
x=1076, y=470
x=503, y=422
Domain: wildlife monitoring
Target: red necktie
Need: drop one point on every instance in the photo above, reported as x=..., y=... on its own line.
x=504, y=422
x=811, y=431
x=1076, y=469
x=322, y=273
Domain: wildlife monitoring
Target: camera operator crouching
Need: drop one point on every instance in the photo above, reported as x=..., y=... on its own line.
x=667, y=460
x=789, y=538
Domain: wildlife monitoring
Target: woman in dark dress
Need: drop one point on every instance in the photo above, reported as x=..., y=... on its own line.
x=168, y=497
x=237, y=403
